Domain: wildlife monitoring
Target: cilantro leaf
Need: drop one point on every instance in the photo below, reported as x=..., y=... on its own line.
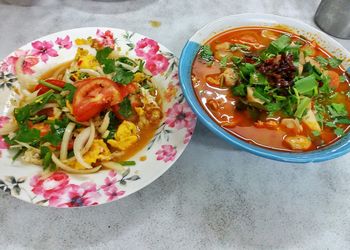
x=102, y=58
x=323, y=61
x=261, y=94
x=27, y=135
x=342, y=120
x=57, y=130
x=325, y=89
x=246, y=69
x=71, y=88
x=273, y=107
x=24, y=113
x=125, y=108
x=223, y=61
x=330, y=124
x=239, y=90
x=337, y=110
x=279, y=44
x=123, y=76
x=258, y=78
x=334, y=62
x=206, y=54
x=102, y=54
x=236, y=59
x=339, y=131
x=46, y=154
x=316, y=133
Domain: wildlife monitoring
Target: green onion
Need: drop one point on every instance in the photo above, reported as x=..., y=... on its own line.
x=306, y=85
x=51, y=86
x=127, y=163
x=303, y=105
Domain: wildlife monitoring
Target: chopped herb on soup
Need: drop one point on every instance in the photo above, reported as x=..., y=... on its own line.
x=273, y=88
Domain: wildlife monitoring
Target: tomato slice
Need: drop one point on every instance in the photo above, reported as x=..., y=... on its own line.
x=44, y=89
x=94, y=95
x=334, y=77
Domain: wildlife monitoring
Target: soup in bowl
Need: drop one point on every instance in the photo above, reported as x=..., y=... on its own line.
x=271, y=85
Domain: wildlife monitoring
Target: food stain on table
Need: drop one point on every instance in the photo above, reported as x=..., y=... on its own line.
x=155, y=23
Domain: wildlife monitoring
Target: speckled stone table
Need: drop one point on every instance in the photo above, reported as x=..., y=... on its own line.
x=214, y=197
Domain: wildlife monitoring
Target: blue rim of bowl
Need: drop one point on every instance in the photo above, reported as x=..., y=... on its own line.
x=337, y=149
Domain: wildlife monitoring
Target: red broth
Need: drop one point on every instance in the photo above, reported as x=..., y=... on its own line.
x=221, y=105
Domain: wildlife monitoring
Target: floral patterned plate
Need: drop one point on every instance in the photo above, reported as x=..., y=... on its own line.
x=59, y=189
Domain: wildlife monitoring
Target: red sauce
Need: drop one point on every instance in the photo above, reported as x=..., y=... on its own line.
x=240, y=123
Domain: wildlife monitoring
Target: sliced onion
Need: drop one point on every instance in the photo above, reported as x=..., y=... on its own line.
x=26, y=145
x=66, y=77
x=9, y=127
x=113, y=165
x=50, y=105
x=65, y=141
x=27, y=96
x=79, y=143
x=91, y=138
x=128, y=67
x=73, y=170
x=28, y=82
x=90, y=72
x=105, y=123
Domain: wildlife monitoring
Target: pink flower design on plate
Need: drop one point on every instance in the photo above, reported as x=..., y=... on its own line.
x=64, y=42
x=44, y=50
x=146, y=48
x=166, y=153
x=51, y=186
x=189, y=132
x=157, y=64
x=9, y=63
x=74, y=195
x=180, y=116
x=109, y=188
x=106, y=39
x=3, y=121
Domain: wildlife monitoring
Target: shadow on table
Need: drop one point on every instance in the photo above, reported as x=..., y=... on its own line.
x=204, y=136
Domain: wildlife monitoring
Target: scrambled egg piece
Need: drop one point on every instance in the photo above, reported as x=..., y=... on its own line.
x=85, y=60
x=125, y=136
x=142, y=117
x=98, y=151
x=139, y=77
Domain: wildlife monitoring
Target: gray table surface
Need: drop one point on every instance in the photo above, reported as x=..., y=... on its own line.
x=213, y=196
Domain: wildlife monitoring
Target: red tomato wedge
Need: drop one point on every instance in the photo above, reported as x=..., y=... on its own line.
x=43, y=127
x=94, y=95
x=335, y=80
x=44, y=89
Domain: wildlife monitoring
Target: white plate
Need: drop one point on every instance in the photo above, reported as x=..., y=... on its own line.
x=59, y=189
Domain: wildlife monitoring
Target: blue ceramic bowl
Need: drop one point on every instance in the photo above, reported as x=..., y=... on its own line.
x=191, y=48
